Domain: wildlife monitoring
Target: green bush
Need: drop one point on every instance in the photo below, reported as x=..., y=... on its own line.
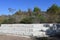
x=27, y=20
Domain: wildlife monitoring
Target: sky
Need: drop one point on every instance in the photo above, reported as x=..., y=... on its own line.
x=25, y=4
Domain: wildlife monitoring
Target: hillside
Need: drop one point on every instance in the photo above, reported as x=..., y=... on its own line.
x=52, y=15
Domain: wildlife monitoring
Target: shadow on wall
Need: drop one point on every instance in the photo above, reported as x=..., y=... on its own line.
x=53, y=31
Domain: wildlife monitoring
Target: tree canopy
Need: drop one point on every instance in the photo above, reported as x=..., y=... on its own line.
x=53, y=13
x=53, y=9
x=36, y=9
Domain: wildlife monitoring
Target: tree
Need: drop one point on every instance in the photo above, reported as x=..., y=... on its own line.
x=53, y=9
x=11, y=10
x=53, y=13
x=18, y=12
x=36, y=9
x=41, y=18
x=29, y=12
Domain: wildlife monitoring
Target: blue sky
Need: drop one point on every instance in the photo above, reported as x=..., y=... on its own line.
x=25, y=4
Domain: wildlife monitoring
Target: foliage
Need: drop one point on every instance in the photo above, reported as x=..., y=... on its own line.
x=41, y=18
x=29, y=12
x=8, y=21
x=53, y=9
x=27, y=20
x=36, y=9
x=11, y=10
x=18, y=12
x=54, y=13
x=1, y=20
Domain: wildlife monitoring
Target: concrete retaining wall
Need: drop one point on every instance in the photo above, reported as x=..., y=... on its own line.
x=23, y=29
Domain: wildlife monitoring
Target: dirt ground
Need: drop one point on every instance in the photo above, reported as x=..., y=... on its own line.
x=8, y=37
